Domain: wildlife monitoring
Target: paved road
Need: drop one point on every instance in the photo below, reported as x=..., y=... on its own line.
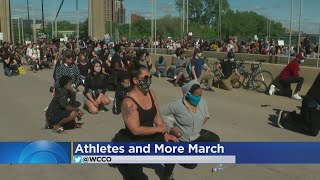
x=235, y=116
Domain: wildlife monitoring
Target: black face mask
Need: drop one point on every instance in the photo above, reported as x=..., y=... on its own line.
x=145, y=84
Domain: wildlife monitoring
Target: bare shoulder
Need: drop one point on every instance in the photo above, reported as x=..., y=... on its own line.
x=153, y=94
x=128, y=106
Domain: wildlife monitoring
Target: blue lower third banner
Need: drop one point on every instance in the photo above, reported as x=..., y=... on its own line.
x=46, y=152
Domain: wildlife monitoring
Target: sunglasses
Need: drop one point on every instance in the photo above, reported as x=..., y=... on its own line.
x=144, y=78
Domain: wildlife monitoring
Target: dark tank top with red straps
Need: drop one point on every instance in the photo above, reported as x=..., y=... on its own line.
x=146, y=116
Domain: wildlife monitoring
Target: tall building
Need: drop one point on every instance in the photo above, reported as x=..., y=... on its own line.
x=97, y=21
x=109, y=9
x=5, y=24
x=115, y=11
x=120, y=15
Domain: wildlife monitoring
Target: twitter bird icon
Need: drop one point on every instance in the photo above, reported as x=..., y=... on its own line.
x=77, y=159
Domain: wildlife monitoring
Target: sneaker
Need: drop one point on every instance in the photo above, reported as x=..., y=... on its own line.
x=175, y=77
x=272, y=90
x=209, y=89
x=168, y=178
x=280, y=119
x=296, y=97
x=102, y=108
x=283, y=116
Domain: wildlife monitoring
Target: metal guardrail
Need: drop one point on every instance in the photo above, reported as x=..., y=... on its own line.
x=310, y=61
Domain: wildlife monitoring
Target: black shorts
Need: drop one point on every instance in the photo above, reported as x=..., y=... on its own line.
x=59, y=116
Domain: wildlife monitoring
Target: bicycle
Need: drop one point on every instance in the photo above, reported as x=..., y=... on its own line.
x=258, y=79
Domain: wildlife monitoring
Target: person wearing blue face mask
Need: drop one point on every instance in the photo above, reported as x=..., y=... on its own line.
x=229, y=72
x=190, y=114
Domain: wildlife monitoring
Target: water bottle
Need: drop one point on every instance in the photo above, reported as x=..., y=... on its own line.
x=218, y=168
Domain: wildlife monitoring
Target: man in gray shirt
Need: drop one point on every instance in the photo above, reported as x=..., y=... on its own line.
x=190, y=114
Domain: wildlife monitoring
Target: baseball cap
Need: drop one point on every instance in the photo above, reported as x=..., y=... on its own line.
x=300, y=56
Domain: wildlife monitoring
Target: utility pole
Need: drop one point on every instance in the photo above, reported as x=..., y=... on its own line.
x=34, y=23
x=318, y=48
x=52, y=25
x=22, y=30
x=270, y=24
x=12, y=31
x=29, y=23
x=56, y=21
x=155, y=26
x=299, y=38
x=130, y=26
x=152, y=15
x=187, y=16
x=42, y=16
x=289, y=48
x=78, y=25
x=19, y=32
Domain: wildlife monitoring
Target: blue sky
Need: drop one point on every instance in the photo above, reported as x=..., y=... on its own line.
x=278, y=10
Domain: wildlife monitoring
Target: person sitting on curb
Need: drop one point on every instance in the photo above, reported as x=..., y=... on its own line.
x=229, y=72
x=290, y=74
x=61, y=112
x=310, y=110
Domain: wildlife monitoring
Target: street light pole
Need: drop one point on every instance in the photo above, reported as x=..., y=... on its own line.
x=151, y=39
x=155, y=26
x=22, y=30
x=56, y=21
x=19, y=32
x=29, y=23
x=183, y=17
x=187, y=16
x=267, y=29
x=78, y=25
x=52, y=25
x=130, y=26
x=42, y=16
x=289, y=48
x=34, y=22
x=299, y=38
x=12, y=31
x=318, y=48
x=270, y=23
x=220, y=23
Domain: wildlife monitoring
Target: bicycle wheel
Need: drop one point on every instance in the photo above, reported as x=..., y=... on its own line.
x=239, y=83
x=264, y=76
x=259, y=86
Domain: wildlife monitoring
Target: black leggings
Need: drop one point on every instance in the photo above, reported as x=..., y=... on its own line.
x=286, y=83
x=134, y=171
x=205, y=136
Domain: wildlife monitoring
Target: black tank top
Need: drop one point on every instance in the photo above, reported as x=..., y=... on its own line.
x=146, y=116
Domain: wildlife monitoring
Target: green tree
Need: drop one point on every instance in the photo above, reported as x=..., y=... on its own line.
x=203, y=11
x=248, y=24
x=83, y=29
